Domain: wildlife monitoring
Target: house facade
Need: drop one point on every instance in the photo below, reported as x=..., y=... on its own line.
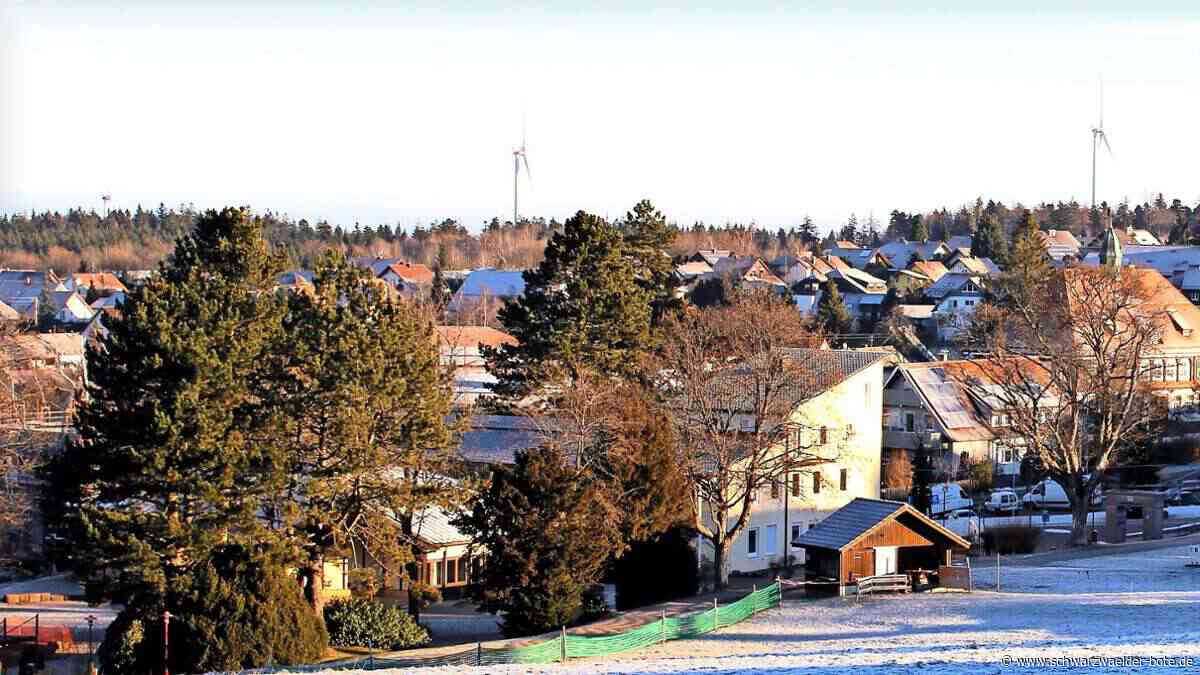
x=842, y=423
x=928, y=406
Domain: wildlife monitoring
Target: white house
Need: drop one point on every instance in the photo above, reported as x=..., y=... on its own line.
x=957, y=296
x=842, y=423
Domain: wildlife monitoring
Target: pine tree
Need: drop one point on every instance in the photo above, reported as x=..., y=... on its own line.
x=989, y=241
x=362, y=403
x=833, y=316
x=808, y=232
x=165, y=464
x=648, y=240
x=582, y=309
x=1028, y=266
x=920, y=232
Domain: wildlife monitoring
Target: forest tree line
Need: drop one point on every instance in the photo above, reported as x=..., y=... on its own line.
x=82, y=240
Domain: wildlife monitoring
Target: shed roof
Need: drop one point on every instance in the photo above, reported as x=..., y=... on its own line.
x=849, y=523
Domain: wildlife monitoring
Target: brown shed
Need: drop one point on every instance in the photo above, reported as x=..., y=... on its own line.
x=870, y=537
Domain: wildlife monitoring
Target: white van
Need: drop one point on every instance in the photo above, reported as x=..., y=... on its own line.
x=1050, y=493
x=948, y=497
x=1003, y=500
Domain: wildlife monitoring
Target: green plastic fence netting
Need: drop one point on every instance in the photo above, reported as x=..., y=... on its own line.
x=580, y=646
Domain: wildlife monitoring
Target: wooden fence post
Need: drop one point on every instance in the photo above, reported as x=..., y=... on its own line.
x=662, y=626
x=716, y=615
x=563, y=637
x=479, y=653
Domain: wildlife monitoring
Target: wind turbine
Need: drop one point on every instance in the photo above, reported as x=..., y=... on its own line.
x=1098, y=137
x=106, y=198
x=519, y=158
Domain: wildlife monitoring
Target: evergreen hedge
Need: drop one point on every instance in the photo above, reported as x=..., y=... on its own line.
x=357, y=622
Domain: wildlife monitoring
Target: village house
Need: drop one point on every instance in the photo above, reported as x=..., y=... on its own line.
x=409, y=279
x=483, y=292
x=70, y=308
x=932, y=269
x=966, y=264
x=1060, y=244
x=104, y=283
x=461, y=348
x=901, y=253
x=747, y=272
x=840, y=423
x=956, y=296
x=710, y=256
x=944, y=407
x=22, y=289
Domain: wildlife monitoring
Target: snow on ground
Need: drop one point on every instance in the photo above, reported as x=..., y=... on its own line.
x=1137, y=605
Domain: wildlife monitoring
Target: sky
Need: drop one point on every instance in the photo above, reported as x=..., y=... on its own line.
x=748, y=112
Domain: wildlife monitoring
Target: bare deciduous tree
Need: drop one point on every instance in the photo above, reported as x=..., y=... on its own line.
x=734, y=383
x=1067, y=363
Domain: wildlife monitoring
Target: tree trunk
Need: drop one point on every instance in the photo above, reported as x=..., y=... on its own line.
x=412, y=571
x=1079, y=517
x=314, y=591
x=720, y=552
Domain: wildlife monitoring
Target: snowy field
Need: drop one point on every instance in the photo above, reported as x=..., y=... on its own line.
x=1142, y=605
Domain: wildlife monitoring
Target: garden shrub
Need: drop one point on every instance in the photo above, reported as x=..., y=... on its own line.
x=1013, y=538
x=356, y=622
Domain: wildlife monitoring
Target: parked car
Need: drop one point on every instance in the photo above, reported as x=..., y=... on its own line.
x=948, y=497
x=1050, y=493
x=962, y=522
x=1004, y=500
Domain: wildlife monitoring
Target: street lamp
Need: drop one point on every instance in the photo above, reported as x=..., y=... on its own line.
x=91, y=621
x=166, y=617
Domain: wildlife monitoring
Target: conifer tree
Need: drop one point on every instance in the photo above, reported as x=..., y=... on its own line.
x=833, y=316
x=166, y=463
x=361, y=407
x=582, y=309
x=920, y=232
x=648, y=240
x=1028, y=266
x=547, y=534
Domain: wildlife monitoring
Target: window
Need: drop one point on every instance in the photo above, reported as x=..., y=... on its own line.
x=437, y=570
x=795, y=485
x=867, y=393
x=772, y=535
x=451, y=571
x=816, y=482
x=795, y=534
x=844, y=479
x=774, y=490
x=824, y=435
x=910, y=422
x=752, y=542
x=462, y=570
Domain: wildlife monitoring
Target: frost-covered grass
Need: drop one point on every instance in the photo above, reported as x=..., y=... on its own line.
x=1139, y=604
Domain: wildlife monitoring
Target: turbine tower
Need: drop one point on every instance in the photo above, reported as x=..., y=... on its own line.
x=519, y=158
x=106, y=198
x=1098, y=137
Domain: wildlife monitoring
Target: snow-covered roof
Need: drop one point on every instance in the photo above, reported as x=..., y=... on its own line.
x=496, y=283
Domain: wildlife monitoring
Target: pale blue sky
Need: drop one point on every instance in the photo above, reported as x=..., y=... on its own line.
x=766, y=114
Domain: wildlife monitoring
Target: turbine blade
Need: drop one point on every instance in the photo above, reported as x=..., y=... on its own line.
x=525, y=159
x=1104, y=137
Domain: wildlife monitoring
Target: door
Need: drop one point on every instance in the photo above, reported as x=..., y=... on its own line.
x=885, y=560
x=862, y=564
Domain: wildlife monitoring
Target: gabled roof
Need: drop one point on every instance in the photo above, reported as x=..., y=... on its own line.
x=434, y=528
x=933, y=269
x=495, y=439
x=902, y=252
x=712, y=255
x=458, y=338
x=812, y=373
x=496, y=283
x=413, y=273
x=959, y=241
x=692, y=269
x=101, y=281
x=981, y=266
x=855, y=520
x=950, y=284
x=18, y=285
x=1060, y=238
